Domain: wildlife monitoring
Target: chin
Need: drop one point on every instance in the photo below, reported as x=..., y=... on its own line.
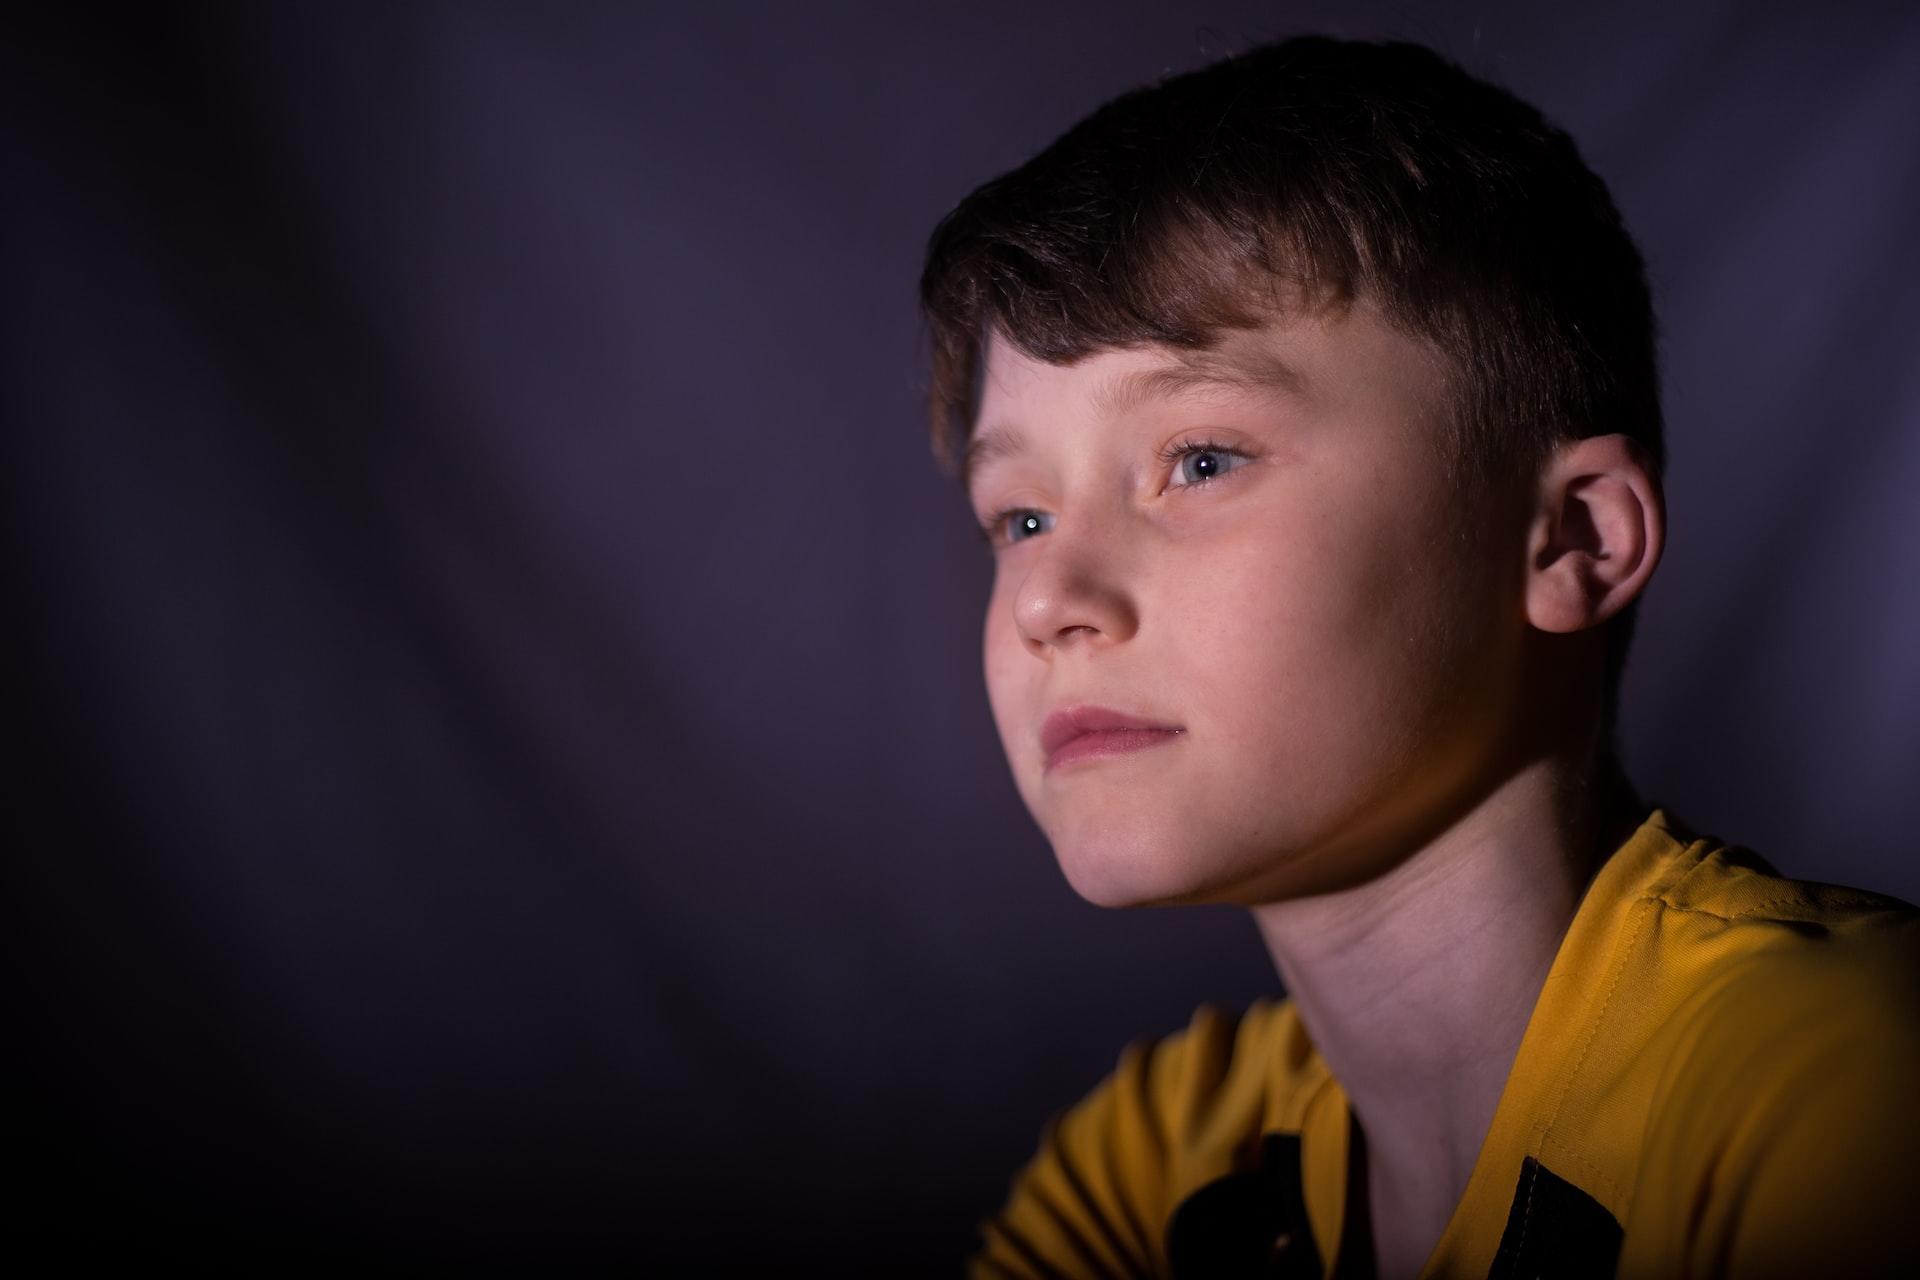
x=1134, y=872
x=1141, y=866
x=1103, y=887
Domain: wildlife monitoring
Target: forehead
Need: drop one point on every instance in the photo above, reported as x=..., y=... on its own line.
x=1317, y=362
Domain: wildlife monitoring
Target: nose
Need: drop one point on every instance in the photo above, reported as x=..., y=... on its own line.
x=1074, y=594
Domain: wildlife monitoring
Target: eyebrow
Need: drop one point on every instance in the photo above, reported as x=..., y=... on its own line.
x=1199, y=373
x=1195, y=373
x=989, y=443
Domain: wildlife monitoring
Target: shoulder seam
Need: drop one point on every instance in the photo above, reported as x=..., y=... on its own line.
x=1754, y=912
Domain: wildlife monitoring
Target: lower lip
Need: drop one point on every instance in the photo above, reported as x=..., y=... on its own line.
x=1108, y=742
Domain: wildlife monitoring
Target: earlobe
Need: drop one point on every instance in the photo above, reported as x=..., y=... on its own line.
x=1598, y=528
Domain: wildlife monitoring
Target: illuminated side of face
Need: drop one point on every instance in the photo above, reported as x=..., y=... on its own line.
x=1255, y=546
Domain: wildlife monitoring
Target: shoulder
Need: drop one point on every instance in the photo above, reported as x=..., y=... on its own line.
x=1781, y=1115
x=1755, y=951
x=1799, y=1012
x=1109, y=1169
x=1223, y=1066
x=1773, y=986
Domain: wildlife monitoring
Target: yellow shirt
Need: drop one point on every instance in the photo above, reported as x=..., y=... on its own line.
x=1718, y=1079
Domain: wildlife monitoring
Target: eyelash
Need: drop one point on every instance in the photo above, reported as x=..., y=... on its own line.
x=1170, y=456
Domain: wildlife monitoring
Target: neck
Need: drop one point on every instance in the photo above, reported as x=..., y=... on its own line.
x=1417, y=985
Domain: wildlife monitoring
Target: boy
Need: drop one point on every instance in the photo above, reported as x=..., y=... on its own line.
x=1309, y=404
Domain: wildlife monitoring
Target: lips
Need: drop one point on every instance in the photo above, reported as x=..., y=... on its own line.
x=1077, y=731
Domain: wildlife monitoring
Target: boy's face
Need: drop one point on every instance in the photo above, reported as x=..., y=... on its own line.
x=1299, y=601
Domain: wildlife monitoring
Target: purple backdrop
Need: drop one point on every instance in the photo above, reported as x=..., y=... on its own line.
x=503, y=771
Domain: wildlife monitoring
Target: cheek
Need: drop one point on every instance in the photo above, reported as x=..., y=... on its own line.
x=1005, y=666
x=1317, y=638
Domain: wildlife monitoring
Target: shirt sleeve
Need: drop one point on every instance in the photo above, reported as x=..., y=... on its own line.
x=1785, y=1140
x=1091, y=1200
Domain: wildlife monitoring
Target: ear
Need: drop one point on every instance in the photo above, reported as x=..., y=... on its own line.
x=1598, y=526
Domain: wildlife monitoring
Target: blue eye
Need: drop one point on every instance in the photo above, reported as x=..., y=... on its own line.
x=1016, y=524
x=1196, y=463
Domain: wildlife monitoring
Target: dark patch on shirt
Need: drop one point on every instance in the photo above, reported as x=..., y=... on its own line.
x=1555, y=1229
x=1247, y=1224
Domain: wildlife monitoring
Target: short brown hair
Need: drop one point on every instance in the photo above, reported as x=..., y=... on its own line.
x=1326, y=169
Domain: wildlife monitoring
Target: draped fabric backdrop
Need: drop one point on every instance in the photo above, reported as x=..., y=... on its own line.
x=501, y=767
